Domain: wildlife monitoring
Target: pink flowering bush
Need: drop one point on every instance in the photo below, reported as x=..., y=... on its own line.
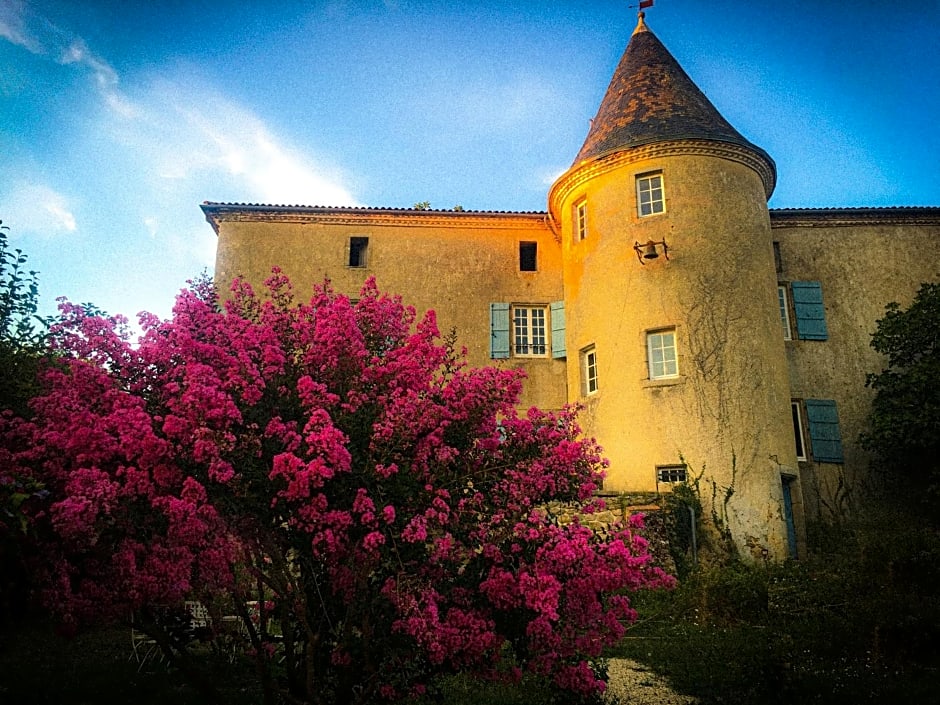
x=374, y=510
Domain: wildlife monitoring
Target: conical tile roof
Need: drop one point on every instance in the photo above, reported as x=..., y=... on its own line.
x=652, y=99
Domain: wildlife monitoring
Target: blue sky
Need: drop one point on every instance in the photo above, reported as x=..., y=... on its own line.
x=117, y=119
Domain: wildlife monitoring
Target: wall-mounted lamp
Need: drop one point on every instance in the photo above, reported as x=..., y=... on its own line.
x=648, y=250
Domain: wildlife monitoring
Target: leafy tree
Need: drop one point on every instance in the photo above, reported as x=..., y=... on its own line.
x=21, y=331
x=905, y=417
x=375, y=511
x=22, y=337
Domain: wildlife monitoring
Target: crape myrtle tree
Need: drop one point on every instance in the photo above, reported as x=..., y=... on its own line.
x=374, y=510
x=904, y=424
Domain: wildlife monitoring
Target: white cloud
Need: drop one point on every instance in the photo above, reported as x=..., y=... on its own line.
x=106, y=78
x=13, y=18
x=195, y=136
x=21, y=25
x=36, y=208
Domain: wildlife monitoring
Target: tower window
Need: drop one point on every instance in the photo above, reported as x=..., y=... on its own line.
x=529, y=331
x=588, y=371
x=650, y=199
x=527, y=256
x=580, y=220
x=784, y=311
x=661, y=354
x=798, y=430
x=358, y=246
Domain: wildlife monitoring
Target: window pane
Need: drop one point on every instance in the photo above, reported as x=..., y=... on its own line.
x=662, y=355
x=588, y=371
x=521, y=326
x=529, y=331
x=784, y=312
x=581, y=216
x=538, y=331
x=650, y=196
x=798, y=430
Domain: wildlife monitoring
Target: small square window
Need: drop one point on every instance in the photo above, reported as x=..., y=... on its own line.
x=782, y=299
x=661, y=354
x=358, y=246
x=671, y=473
x=529, y=331
x=527, y=256
x=580, y=220
x=650, y=199
x=588, y=371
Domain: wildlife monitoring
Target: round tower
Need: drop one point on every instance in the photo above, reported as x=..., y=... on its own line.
x=672, y=311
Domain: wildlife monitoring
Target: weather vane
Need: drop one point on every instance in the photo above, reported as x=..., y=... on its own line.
x=643, y=5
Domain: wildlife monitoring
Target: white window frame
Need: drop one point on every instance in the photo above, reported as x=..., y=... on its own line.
x=588, y=371
x=799, y=438
x=650, y=194
x=580, y=219
x=783, y=299
x=672, y=474
x=656, y=343
x=530, y=332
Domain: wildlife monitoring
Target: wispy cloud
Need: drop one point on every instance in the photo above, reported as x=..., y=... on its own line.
x=105, y=77
x=37, y=208
x=180, y=131
x=191, y=133
x=23, y=26
x=13, y=15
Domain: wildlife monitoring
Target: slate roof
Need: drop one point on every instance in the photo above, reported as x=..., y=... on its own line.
x=651, y=99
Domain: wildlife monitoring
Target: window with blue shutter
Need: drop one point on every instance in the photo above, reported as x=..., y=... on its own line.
x=558, y=329
x=499, y=331
x=824, y=434
x=810, y=314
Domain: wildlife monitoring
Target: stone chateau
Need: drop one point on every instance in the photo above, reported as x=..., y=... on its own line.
x=706, y=336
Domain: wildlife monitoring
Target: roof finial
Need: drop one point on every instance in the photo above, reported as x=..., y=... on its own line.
x=641, y=25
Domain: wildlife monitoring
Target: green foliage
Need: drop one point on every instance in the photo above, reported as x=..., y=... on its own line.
x=422, y=206
x=677, y=522
x=857, y=622
x=22, y=341
x=713, y=535
x=904, y=425
x=22, y=332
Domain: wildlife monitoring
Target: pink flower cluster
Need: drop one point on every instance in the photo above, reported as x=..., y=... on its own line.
x=338, y=458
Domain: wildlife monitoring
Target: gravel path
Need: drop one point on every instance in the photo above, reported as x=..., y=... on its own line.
x=635, y=684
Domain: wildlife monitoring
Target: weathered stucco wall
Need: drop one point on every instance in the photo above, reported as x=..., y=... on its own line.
x=453, y=263
x=727, y=413
x=863, y=259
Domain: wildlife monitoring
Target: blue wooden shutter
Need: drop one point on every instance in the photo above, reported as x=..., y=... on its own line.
x=499, y=331
x=558, y=329
x=810, y=314
x=824, y=431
